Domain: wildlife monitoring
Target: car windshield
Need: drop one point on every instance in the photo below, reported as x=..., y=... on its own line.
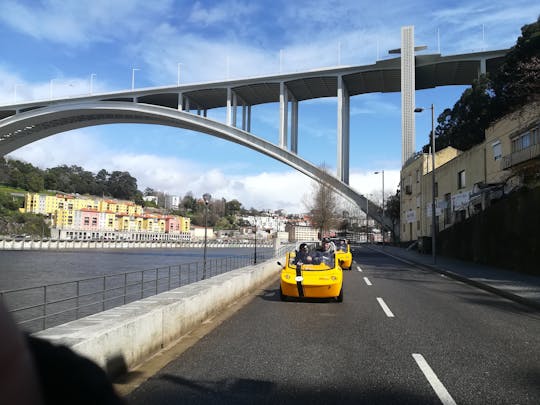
x=312, y=259
x=341, y=244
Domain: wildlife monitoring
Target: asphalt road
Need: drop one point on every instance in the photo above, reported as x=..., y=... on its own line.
x=402, y=336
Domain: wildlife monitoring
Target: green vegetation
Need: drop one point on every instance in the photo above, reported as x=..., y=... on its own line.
x=516, y=83
x=19, y=177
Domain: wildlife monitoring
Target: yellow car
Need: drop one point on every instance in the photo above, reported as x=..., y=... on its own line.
x=343, y=253
x=321, y=277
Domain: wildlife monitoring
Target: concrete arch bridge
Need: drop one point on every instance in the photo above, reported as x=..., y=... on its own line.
x=24, y=123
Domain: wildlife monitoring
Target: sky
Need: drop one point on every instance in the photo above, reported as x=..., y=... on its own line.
x=63, y=48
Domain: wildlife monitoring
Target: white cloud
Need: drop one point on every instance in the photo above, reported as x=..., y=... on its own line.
x=224, y=12
x=75, y=23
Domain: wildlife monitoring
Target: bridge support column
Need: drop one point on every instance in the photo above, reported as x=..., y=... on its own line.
x=283, y=115
x=180, y=102
x=244, y=108
x=294, y=125
x=229, y=106
x=482, y=70
x=343, y=125
x=248, y=123
x=234, y=108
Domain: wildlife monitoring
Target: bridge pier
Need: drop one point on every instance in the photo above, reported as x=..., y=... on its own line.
x=343, y=136
x=283, y=115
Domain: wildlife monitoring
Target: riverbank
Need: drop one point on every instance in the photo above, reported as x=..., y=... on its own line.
x=57, y=244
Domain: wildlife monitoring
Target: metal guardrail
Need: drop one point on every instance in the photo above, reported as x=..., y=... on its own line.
x=42, y=307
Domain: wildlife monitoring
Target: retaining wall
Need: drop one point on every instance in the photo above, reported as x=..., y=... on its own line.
x=122, y=337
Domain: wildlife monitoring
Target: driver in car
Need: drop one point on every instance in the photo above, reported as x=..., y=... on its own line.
x=303, y=256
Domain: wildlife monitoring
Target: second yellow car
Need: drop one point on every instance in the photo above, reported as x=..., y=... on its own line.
x=343, y=253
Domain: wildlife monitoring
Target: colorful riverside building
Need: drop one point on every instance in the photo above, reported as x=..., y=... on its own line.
x=91, y=218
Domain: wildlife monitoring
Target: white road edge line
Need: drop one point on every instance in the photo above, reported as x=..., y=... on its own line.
x=385, y=308
x=436, y=384
x=359, y=269
x=367, y=281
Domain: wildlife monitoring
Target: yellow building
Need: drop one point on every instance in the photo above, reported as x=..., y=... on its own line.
x=416, y=192
x=466, y=182
x=90, y=218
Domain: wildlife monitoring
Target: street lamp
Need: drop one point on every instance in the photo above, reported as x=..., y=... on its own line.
x=255, y=244
x=206, y=197
x=367, y=218
x=178, y=75
x=51, y=89
x=92, y=75
x=133, y=78
x=433, y=220
x=382, y=224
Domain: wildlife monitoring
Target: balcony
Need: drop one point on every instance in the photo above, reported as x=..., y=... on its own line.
x=520, y=156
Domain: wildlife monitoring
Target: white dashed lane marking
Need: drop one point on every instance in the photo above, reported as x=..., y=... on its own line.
x=436, y=384
x=359, y=269
x=367, y=281
x=385, y=308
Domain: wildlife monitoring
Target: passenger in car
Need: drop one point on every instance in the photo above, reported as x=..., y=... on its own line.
x=303, y=256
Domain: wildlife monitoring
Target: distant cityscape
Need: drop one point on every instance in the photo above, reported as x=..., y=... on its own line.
x=78, y=217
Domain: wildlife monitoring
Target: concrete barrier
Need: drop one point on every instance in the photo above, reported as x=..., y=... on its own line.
x=120, y=338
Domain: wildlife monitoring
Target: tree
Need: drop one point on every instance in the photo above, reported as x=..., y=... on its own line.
x=464, y=125
x=518, y=80
x=122, y=185
x=100, y=182
x=233, y=207
x=393, y=211
x=323, y=207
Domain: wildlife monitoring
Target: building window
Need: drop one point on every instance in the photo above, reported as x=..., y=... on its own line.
x=525, y=140
x=87, y=220
x=461, y=179
x=94, y=221
x=448, y=208
x=497, y=152
x=417, y=175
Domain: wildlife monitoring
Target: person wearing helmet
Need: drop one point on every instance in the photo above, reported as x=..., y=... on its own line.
x=303, y=256
x=326, y=252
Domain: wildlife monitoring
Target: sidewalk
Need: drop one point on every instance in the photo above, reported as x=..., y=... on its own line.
x=515, y=286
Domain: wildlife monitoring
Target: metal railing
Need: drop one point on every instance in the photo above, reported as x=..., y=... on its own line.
x=520, y=156
x=42, y=307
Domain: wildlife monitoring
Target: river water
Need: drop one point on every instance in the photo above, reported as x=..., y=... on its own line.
x=31, y=268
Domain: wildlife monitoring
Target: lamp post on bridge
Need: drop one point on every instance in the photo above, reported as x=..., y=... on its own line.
x=206, y=198
x=133, y=78
x=178, y=73
x=433, y=219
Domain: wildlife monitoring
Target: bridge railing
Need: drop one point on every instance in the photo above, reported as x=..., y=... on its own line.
x=42, y=307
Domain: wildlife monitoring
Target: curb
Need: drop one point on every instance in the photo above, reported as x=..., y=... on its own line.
x=483, y=286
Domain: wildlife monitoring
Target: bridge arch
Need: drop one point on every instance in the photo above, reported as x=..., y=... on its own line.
x=25, y=128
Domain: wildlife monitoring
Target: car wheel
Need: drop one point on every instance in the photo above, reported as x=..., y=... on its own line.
x=339, y=298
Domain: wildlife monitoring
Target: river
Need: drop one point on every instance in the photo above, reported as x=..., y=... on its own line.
x=31, y=268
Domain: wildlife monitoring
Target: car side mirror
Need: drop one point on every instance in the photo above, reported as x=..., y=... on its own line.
x=280, y=264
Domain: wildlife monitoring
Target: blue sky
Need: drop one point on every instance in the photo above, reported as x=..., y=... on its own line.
x=61, y=46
